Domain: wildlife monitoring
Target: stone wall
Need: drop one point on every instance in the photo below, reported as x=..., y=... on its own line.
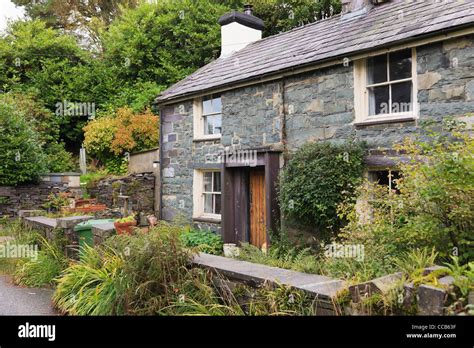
x=180, y=156
x=139, y=187
x=33, y=196
x=314, y=106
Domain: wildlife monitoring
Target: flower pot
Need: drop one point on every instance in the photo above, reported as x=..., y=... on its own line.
x=124, y=227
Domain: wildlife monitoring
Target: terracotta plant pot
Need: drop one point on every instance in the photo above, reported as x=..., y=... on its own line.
x=124, y=227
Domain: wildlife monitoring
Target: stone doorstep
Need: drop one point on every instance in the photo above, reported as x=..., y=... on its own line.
x=323, y=287
x=377, y=285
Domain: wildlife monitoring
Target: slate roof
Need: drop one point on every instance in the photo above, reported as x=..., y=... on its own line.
x=328, y=39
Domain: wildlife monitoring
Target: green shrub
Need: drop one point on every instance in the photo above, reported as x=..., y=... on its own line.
x=90, y=179
x=116, y=166
x=21, y=156
x=56, y=201
x=58, y=160
x=434, y=207
x=317, y=179
x=205, y=241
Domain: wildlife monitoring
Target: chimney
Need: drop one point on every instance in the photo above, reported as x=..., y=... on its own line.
x=352, y=8
x=239, y=29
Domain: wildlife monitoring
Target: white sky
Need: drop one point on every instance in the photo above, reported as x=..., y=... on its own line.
x=8, y=11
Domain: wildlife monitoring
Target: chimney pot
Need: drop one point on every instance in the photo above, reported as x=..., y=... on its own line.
x=248, y=9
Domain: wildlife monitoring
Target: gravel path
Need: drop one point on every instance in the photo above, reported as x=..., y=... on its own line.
x=15, y=300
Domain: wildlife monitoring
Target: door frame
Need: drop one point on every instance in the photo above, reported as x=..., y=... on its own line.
x=234, y=197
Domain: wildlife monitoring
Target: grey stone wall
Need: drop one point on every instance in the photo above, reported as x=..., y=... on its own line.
x=319, y=106
x=33, y=196
x=252, y=116
x=140, y=188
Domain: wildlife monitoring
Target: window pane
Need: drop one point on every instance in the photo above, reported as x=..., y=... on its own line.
x=208, y=203
x=208, y=182
x=208, y=125
x=217, y=199
x=379, y=100
x=213, y=124
x=216, y=105
x=386, y=178
x=401, y=97
x=217, y=124
x=217, y=182
x=206, y=106
x=400, y=65
x=377, y=69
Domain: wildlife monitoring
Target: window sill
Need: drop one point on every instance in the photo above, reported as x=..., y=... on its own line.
x=215, y=219
x=207, y=138
x=386, y=119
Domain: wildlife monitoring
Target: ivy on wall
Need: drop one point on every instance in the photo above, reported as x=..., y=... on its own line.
x=318, y=177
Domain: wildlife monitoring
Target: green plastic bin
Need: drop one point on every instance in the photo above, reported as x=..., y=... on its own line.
x=84, y=230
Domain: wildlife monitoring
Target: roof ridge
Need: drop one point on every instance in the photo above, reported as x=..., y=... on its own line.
x=297, y=28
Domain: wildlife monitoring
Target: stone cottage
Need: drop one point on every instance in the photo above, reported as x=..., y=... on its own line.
x=372, y=73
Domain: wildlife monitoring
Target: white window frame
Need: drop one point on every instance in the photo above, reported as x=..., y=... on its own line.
x=389, y=170
x=198, y=121
x=198, y=196
x=361, y=94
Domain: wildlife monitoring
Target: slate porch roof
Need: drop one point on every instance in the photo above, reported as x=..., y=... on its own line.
x=328, y=39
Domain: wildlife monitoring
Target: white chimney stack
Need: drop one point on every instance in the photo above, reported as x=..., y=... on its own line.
x=352, y=8
x=238, y=30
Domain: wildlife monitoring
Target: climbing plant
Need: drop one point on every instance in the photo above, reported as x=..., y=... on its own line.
x=317, y=179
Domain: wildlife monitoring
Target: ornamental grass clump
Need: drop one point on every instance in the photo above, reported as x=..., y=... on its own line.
x=139, y=274
x=44, y=268
x=93, y=286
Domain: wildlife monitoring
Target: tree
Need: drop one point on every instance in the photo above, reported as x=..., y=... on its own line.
x=46, y=126
x=21, y=156
x=83, y=19
x=164, y=42
x=112, y=135
x=282, y=15
x=50, y=67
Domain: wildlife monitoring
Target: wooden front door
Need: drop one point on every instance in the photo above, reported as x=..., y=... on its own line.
x=258, y=233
